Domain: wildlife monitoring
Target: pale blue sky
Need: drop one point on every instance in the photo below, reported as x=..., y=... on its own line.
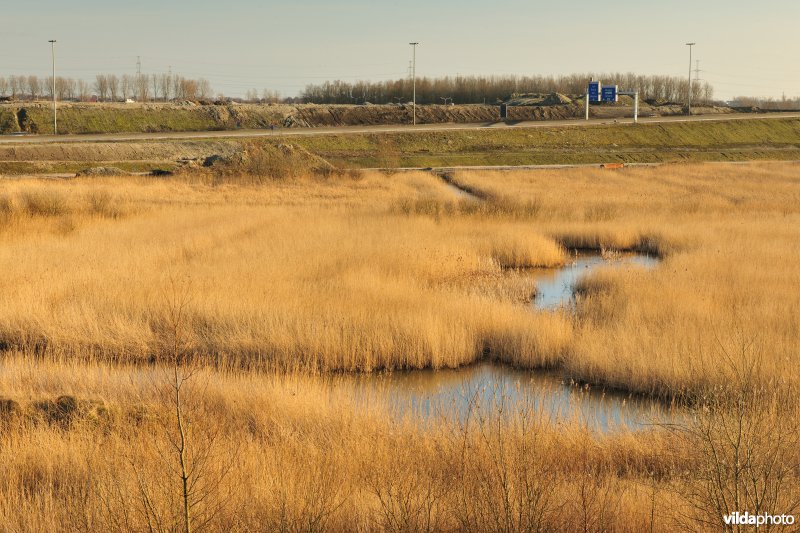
x=744, y=47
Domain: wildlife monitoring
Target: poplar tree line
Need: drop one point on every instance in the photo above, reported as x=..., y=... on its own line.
x=107, y=87
x=491, y=89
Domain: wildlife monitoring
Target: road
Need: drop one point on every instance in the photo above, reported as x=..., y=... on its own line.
x=344, y=130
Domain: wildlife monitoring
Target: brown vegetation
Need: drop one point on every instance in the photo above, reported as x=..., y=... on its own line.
x=729, y=274
x=138, y=317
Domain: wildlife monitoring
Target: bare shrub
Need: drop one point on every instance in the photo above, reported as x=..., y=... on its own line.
x=412, y=496
x=743, y=441
x=307, y=491
x=103, y=204
x=268, y=164
x=6, y=205
x=506, y=477
x=596, y=496
x=7, y=209
x=188, y=492
x=44, y=203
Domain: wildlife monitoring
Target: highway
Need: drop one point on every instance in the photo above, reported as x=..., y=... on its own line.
x=345, y=130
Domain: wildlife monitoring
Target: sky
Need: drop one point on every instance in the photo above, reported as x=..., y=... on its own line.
x=744, y=47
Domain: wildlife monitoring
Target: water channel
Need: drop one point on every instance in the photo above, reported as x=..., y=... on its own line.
x=430, y=394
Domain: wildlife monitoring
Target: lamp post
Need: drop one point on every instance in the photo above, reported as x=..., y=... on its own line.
x=689, y=97
x=55, y=113
x=414, y=82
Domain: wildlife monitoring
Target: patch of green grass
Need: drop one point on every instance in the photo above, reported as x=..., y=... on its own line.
x=739, y=140
x=105, y=120
x=567, y=158
x=628, y=143
x=101, y=118
x=8, y=120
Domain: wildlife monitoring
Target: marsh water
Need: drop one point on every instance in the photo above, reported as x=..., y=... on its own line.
x=487, y=387
x=458, y=393
x=556, y=287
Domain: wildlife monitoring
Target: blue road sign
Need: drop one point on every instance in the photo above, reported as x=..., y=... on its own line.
x=594, y=91
x=610, y=93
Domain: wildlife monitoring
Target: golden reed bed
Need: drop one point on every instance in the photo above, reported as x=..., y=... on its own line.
x=384, y=272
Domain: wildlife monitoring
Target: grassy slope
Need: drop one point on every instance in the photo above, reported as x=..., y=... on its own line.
x=643, y=143
x=699, y=141
x=99, y=120
x=8, y=121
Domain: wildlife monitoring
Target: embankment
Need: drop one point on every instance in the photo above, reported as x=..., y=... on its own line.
x=159, y=117
x=739, y=140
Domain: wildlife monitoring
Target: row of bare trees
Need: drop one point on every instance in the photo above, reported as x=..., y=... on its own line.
x=491, y=89
x=266, y=97
x=768, y=103
x=107, y=87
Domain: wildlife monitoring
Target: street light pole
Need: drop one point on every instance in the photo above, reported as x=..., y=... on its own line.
x=55, y=113
x=689, y=97
x=414, y=82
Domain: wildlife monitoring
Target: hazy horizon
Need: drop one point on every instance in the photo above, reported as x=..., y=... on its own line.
x=251, y=45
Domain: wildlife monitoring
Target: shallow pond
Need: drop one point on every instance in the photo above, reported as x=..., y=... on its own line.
x=429, y=394
x=484, y=387
x=556, y=287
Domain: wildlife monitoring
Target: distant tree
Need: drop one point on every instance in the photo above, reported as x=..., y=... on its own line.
x=113, y=87
x=126, y=85
x=156, y=85
x=15, y=83
x=204, y=88
x=33, y=86
x=69, y=88
x=270, y=97
x=101, y=86
x=188, y=88
x=47, y=86
x=165, y=86
x=83, y=91
x=142, y=88
x=4, y=86
x=177, y=87
x=61, y=88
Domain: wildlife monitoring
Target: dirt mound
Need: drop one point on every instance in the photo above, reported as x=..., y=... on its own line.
x=269, y=161
x=532, y=99
x=556, y=99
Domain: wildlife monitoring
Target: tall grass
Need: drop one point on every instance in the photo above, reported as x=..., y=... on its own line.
x=317, y=285
x=387, y=272
x=298, y=453
x=727, y=237
x=329, y=274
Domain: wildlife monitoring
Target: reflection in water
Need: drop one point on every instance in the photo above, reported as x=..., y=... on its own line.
x=555, y=287
x=484, y=387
